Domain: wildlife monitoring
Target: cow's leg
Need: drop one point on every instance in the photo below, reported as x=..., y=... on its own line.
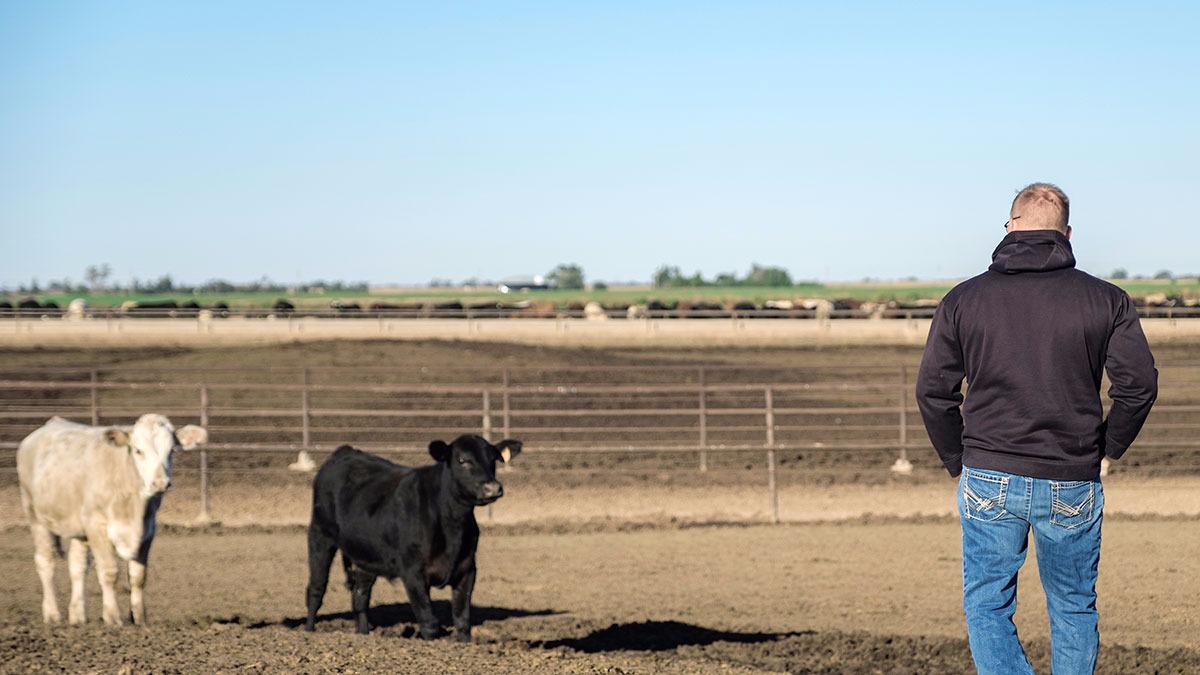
x=461, y=602
x=106, y=571
x=77, y=564
x=418, y=599
x=361, y=584
x=320, y=557
x=44, y=555
x=137, y=583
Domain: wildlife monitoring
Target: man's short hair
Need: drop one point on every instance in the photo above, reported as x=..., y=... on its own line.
x=1042, y=206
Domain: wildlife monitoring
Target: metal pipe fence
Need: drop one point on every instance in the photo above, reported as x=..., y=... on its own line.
x=650, y=416
x=487, y=311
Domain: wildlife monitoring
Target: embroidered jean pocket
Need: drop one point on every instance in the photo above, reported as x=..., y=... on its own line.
x=1072, y=503
x=983, y=495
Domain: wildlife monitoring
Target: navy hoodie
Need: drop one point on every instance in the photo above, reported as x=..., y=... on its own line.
x=1033, y=337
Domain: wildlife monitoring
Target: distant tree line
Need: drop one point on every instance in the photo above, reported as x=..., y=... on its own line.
x=1121, y=273
x=669, y=276
x=567, y=275
x=98, y=279
x=570, y=276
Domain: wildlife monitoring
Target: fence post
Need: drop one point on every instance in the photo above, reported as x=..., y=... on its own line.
x=902, y=465
x=507, y=432
x=772, y=487
x=505, y=410
x=305, y=412
x=487, y=433
x=95, y=398
x=703, y=424
x=205, y=514
x=904, y=412
x=487, y=415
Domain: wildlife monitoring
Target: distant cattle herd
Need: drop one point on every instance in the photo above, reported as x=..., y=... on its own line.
x=819, y=308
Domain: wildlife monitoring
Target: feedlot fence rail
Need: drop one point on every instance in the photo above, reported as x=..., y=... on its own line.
x=710, y=418
x=500, y=311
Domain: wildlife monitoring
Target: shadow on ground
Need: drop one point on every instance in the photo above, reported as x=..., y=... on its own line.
x=657, y=636
x=388, y=616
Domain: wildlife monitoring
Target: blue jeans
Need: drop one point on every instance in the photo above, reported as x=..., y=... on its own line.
x=997, y=511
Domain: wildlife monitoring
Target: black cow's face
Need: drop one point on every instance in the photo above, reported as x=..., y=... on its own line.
x=471, y=461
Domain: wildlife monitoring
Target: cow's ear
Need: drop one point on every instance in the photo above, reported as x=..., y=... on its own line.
x=117, y=437
x=191, y=435
x=439, y=451
x=508, y=449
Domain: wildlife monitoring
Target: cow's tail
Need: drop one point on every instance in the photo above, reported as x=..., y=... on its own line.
x=58, y=547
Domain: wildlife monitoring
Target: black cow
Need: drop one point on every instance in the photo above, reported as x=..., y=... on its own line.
x=414, y=524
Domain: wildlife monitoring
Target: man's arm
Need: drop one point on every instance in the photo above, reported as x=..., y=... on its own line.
x=1134, y=381
x=939, y=389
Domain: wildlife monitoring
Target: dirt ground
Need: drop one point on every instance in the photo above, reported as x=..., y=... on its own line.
x=646, y=576
x=866, y=596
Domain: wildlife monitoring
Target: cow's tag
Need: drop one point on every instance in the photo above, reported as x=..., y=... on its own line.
x=506, y=455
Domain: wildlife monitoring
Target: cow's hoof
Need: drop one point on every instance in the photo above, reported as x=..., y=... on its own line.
x=433, y=633
x=464, y=637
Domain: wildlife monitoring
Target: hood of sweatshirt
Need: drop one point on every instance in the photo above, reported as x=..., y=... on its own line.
x=1032, y=251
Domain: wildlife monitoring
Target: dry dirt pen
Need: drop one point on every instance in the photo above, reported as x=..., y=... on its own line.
x=615, y=561
x=849, y=597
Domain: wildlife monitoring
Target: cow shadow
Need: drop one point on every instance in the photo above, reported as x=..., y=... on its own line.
x=387, y=616
x=658, y=636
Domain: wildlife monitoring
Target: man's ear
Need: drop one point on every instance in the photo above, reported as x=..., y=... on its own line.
x=509, y=448
x=439, y=451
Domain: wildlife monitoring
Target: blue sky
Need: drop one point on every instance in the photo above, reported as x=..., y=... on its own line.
x=399, y=142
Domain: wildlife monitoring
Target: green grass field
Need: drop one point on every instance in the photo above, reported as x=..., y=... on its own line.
x=616, y=295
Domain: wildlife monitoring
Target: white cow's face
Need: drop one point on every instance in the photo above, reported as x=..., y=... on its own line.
x=152, y=444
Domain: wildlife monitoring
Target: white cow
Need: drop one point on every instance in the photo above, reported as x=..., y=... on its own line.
x=98, y=487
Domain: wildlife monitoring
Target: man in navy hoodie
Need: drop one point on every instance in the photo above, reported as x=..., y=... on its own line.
x=1033, y=337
